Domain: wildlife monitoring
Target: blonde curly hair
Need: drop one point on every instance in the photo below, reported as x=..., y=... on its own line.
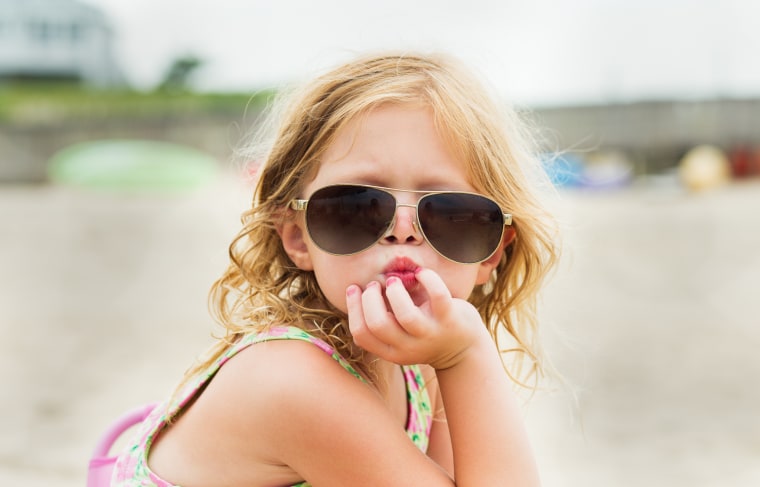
x=263, y=288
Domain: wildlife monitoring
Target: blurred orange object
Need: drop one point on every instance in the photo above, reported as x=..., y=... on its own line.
x=704, y=167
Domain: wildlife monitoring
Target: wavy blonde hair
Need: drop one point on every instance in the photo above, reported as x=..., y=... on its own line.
x=263, y=288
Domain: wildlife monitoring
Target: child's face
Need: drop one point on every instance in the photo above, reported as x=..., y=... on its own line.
x=394, y=147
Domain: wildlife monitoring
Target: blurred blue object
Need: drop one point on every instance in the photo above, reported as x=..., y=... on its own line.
x=564, y=170
x=601, y=170
x=132, y=164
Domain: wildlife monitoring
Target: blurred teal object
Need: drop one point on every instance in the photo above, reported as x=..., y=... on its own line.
x=564, y=170
x=132, y=164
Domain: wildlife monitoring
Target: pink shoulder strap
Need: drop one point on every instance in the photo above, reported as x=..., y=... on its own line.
x=101, y=463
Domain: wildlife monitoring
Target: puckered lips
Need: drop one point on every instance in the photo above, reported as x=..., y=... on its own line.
x=405, y=269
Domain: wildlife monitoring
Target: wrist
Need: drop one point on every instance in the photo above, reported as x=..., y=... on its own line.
x=481, y=348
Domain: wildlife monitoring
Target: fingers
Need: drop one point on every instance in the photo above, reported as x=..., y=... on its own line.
x=404, y=315
x=424, y=325
x=357, y=324
x=389, y=323
x=439, y=296
x=373, y=326
x=375, y=311
x=407, y=314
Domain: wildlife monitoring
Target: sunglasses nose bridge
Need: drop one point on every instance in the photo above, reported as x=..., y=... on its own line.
x=399, y=215
x=415, y=224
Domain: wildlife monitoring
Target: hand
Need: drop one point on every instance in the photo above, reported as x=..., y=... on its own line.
x=437, y=332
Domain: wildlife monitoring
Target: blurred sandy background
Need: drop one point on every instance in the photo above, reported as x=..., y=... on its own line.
x=652, y=317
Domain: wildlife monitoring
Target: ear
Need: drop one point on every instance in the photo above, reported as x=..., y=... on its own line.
x=487, y=266
x=292, y=236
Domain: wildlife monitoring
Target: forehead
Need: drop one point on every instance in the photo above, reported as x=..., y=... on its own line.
x=392, y=145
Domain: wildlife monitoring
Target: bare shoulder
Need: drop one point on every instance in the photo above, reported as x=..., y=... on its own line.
x=319, y=420
x=244, y=420
x=283, y=411
x=278, y=375
x=285, y=382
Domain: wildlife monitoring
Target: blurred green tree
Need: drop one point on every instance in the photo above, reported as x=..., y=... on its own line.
x=180, y=72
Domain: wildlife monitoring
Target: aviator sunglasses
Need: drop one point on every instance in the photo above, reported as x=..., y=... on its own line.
x=345, y=219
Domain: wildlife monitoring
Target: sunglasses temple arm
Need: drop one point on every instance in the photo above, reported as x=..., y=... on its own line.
x=300, y=205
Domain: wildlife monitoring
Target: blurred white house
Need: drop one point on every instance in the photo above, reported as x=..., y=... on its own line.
x=56, y=40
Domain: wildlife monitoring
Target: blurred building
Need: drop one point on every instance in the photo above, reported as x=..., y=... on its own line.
x=56, y=40
x=656, y=133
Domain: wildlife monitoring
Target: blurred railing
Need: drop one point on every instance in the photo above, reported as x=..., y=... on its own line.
x=654, y=135
x=36, y=122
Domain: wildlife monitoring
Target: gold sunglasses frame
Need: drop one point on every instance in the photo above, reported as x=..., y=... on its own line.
x=299, y=204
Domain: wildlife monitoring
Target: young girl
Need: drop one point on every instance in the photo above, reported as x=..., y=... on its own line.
x=393, y=241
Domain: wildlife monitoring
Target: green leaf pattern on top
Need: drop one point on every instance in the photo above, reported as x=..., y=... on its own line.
x=131, y=469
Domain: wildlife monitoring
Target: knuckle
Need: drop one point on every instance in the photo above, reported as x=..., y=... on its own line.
x=358, y=332
x=372, y=324
x=376, y=323
x=406, y=317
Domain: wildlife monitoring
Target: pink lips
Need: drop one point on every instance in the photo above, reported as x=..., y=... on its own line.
x=403, y=268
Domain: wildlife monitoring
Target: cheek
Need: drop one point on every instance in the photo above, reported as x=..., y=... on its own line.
x=333, y=278
x=460, y=280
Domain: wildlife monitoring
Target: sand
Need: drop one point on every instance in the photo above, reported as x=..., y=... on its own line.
x=653, y=318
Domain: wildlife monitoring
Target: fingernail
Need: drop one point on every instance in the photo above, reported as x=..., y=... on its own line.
x=392, y=280
x=372, y=284
x=351, y=290
x=417, y=270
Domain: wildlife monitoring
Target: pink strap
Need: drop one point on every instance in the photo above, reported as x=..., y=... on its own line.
x=101, y=465
x=118, y=427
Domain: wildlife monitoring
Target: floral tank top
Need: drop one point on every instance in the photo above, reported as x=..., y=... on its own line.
x=131, y=469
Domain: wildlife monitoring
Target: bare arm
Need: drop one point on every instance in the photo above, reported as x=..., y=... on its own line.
x=488, y=437
x=282, y=412
x=489, y=442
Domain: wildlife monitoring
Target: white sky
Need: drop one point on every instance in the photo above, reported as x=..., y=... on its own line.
x=532, y=51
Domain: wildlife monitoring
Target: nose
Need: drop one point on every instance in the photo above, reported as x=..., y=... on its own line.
x=404, y=228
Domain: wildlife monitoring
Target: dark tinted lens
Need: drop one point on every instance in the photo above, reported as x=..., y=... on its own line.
x=348, y=219
x=466, y=228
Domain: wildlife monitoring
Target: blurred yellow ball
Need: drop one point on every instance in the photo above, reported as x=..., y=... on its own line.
x=704, y=167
